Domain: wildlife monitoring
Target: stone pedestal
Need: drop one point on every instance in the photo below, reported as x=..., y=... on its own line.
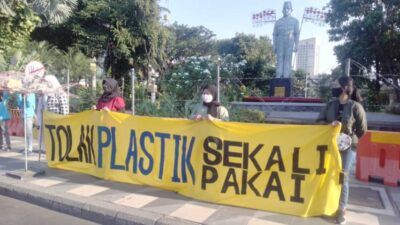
x=280, y=87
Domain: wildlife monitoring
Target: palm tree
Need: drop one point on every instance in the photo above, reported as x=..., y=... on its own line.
x=50, y=11
x=54, y=11
x=16, y=59
x=5, y=8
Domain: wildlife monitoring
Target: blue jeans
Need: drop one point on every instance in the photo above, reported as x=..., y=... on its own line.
x=348, y=158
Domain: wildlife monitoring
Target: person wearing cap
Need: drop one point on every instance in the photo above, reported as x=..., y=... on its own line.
x=210, y=108
x=351, y=115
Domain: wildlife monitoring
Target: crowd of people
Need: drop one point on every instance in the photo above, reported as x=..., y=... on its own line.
x=345, y=109
x=31, y=107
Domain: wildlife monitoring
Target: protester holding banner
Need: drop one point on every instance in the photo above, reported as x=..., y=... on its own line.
x=210, y=108
x=4, y=117
x=111, y=98
x=351, y=115
x=28, y=115
x=282, y=168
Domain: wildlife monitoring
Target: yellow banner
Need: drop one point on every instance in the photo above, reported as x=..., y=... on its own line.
x=291, y=169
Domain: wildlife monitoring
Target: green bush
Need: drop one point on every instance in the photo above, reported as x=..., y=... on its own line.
x=144, y=107
x=165, y=106
x=247, y=115
x=375, y=101
x=84, y=100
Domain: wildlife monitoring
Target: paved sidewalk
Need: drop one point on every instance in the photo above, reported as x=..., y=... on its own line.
x=109, y=202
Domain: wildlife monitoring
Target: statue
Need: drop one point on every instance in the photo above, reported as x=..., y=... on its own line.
x=285, y=40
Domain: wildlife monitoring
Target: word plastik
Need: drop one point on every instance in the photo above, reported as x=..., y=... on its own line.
x=236, y=156
x=139, y=150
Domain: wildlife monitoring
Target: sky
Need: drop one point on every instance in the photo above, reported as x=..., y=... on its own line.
x=225, y=18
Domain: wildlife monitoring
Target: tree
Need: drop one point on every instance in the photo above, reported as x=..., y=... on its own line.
x=5, y=8
x=53, y=11
x=122, y=31
x=258, y=56
x=18, y=18
x=245, y=65
x=188, y=41
x=17, y=21
x=370, y=34
x=299, y=83
x=57, y=62
x=188, y=76
x=17, y=58
x=76, y=63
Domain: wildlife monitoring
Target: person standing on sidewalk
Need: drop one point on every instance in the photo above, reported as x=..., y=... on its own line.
x=28, y=115
x=4, y=117
x=351, y=115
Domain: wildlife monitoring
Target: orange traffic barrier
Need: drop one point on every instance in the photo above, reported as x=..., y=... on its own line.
x=378, y=157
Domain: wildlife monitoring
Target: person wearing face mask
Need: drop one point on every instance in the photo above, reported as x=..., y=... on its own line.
x=355, y=96
x=351, y=115
x=210, y=108
x=111, y=99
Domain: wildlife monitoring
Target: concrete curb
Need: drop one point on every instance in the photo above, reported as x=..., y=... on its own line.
x=86, y=208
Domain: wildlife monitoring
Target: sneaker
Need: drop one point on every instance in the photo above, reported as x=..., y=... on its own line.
x=340, y=217
x=8, y=149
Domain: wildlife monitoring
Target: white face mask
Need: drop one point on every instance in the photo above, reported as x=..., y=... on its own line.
x=207, y=98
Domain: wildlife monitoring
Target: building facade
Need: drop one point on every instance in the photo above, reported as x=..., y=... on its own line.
x=307, y=58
